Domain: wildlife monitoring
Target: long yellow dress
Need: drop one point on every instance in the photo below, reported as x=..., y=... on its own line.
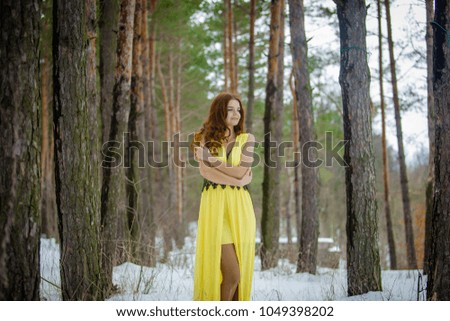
x=226, y=214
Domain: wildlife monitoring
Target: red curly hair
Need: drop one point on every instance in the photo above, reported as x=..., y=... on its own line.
x=214, y=129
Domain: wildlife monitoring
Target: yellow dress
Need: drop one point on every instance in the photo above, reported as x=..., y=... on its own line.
x=226, y=214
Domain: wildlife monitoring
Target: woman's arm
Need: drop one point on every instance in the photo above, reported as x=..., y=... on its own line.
x=245, y=164
x=214, y=175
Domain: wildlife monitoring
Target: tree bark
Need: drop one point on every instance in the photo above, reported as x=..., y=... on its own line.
x=438, y=287
x=230, y=48
x=166, y=215
x=363, y=261
x=20, y=142
x=270, y=221
x=108, y=27
x=409, y=234
x=149, y=203
x=179, y=171
x=251, y=68
x=307, y=257
x=226, y=44
x=235, y=50
x=49, y=226
x=77, y=183
x=135, y=151
x=91, y=85
x=431, y=135
x=387, y=207
x=113, y=186
x=135, y=147
x=296, y=154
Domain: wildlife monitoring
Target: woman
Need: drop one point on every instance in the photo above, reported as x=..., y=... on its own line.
x=225, y=245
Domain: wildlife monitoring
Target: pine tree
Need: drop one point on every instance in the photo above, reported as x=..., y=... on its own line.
x=363, y=261
x=20, y=141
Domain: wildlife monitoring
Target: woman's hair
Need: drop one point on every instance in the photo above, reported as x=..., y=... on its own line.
x=214, y=129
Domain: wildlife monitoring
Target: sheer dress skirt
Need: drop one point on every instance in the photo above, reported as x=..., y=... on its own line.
x=226, y=216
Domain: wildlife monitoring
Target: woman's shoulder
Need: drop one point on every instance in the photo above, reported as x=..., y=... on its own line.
x=246, y=137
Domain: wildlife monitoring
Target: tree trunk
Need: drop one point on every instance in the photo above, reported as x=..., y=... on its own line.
x=270, y=221
x=91, y=85
x=307, y=257
x=226, y=44
x=135, y=150
x=409, y=234
x=287, y=208
x=278, y=126
x=77, y=182
x=438, y=287
x=148, y=200
x=49, y=226
x=113, y=209
x=230, y=48
x=181, y=224
x=108, y=27
x=166, y=215
x=387, y=207
x=431, y=135
x=251, y=69
x=20, y=113
x=296, y=155
x=363, y=261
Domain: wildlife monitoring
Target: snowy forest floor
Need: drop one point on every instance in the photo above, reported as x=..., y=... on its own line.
x=173, y=281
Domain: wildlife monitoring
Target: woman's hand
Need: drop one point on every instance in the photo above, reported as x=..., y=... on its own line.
x=202, y=153
x=246, y=179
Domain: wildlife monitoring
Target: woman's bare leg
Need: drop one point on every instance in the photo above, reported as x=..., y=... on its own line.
x=230, y=273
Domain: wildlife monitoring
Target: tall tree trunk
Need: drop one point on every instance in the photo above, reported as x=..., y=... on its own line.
x=146, y=201
x=235, y=50
x=363, y=261
x=91, y=85
x=387, y=207
x=270, y=221
x=409, y=234
x=278, y=126
x=108, y=26
x=307, y=257
x=287, y=212
x=431, y=135
x=230, y=48
x=226, y=44
x=149, y=203
x=181, y=224
x=77, y=182
x=20, y=113
x=152, y=115
x=48, y=203
x=135, y=149
x=251, y=68
x=438, y=287
x=113, y=187
x=145, y=205
x=166, y=215
x=296, y=155
x=173, y=183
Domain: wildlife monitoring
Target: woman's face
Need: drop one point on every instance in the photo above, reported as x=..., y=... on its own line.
x=233, y=113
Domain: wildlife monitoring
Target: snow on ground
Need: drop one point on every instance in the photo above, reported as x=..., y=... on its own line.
x=173, y=281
